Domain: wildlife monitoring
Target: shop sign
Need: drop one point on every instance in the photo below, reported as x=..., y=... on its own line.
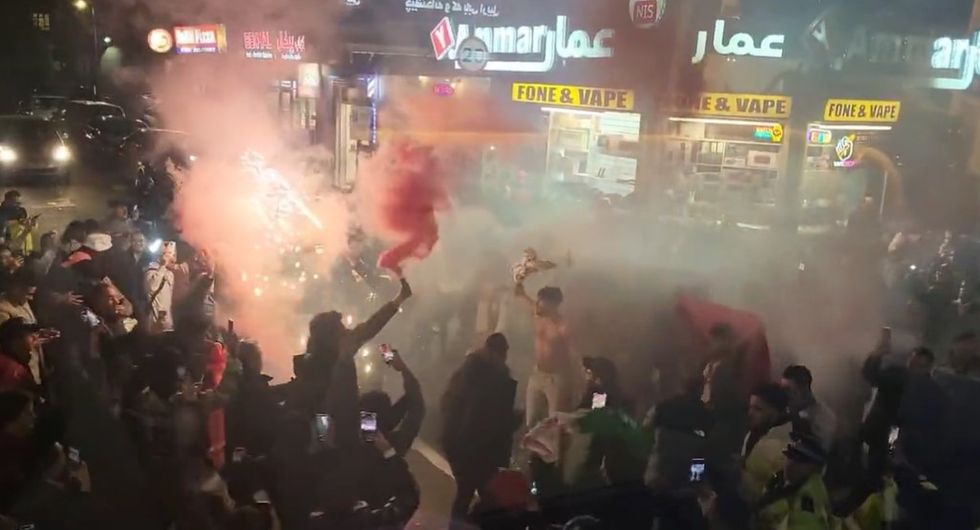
x=286, y=46
x=573, y=96
x=541, y=44
x=308, y=75
x=743, y=105
x=646, y=14
x=449, y=7
x=772, y=133
x=962, y=55
x=845, y=151
x=819, y=136
x=862, y=111
x=160, y=40
x=473, y=55
x=443, y=89
x=738, y=44
x=203, y=38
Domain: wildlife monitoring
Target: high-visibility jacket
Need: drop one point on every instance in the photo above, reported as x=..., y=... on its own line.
x=804, y=508
x=763, y=460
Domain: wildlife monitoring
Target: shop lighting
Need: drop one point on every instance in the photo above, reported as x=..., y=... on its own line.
x=719, y=121
x=572, y=111
x=846, y=127
x=7, y=154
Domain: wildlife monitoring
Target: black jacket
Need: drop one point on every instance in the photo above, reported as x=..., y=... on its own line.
x=407, y=414
x=478, y=412
x=253, y=416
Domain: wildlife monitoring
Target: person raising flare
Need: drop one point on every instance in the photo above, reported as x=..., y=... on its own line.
x=549, y=389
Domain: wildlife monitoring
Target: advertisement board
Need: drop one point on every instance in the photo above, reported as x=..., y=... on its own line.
x=202, y=38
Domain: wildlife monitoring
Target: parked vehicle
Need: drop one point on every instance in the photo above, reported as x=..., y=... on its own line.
x=104, y=136
x=79, y=114
x=31, y=148
x=45, y=107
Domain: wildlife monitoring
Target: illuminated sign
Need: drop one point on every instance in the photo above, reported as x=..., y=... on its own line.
x=738, y=44
x=956, y=54
x=647, y=13
x=544, y=44
x=258, y=45
x=447, y=7
x=160, y=40
x=743, y=105
x=863, y=111
x=573, y=96
x=269, y=45
x=291, y=47
x=443, y=89
x=773, y=133
x=819, y=136
x=308, y=75
x=845, y=152
x=203, y=38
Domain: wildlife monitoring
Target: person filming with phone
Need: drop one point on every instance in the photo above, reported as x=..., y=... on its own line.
x=400, y=421
x=382, y=493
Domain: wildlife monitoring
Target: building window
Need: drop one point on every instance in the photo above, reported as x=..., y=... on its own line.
x=42, y=21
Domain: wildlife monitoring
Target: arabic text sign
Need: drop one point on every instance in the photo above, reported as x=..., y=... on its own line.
x=203, y=38
x=861, y=110
x=573, y=96
x=542, y=44
x=450, y=6
x=286, y=46
x=738, y=44
x=743, y=105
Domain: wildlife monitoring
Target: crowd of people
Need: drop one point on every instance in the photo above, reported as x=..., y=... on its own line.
x=124, y=404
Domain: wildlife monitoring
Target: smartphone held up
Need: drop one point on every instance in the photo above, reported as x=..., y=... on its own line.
x=369, y=426
x=386, y=353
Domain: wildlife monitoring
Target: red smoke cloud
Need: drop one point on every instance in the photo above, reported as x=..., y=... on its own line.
x=405, y=203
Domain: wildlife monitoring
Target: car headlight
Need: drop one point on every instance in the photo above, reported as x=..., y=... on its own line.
x=7, y=154
x=61, y=154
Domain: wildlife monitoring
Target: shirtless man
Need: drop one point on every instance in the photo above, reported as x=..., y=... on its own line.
x=549, y=389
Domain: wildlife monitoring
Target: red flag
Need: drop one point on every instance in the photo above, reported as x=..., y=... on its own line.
x=750, y=332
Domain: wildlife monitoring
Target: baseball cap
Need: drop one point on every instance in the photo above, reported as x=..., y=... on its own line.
x=15, y=328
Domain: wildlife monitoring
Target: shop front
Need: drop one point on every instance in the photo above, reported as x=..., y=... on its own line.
x=725, y=152
x=276, y=58
x=846, y=163
x=592, y=134
x=568, y=99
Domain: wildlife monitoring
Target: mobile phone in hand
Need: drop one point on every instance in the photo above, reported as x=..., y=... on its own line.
x=598, y=400
x=386, y=353
x=322, y=425
x=697, y=470
x=369, y=425
x=74, y=457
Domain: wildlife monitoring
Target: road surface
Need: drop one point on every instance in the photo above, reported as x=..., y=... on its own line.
x=84, y=198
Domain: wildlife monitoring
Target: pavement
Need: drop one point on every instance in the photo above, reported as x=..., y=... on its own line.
x=436, y=484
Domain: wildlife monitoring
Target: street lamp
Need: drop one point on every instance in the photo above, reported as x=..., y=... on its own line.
x=83, y=5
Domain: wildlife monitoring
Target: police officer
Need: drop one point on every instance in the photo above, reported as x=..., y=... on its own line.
x=796, y=497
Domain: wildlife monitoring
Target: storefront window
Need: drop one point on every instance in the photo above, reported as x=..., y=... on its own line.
x=724, y=170
x=594, y=149
x=842, y=167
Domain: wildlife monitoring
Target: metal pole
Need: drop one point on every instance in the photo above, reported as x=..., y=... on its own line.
x=95, y=53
